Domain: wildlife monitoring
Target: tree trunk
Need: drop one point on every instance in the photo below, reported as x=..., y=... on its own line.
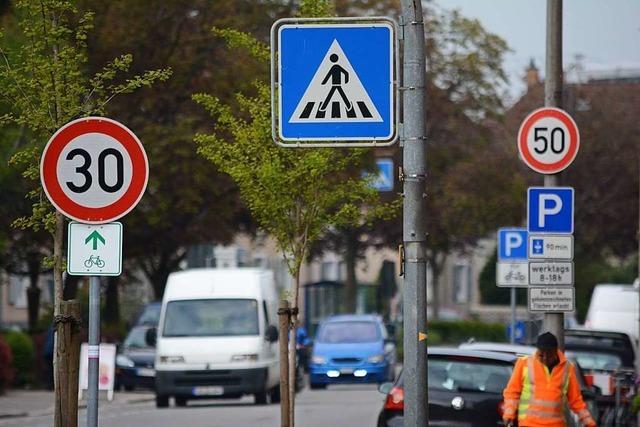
x=60, y=376
x=436, y=269
x=284, y=322
x=34, y=261
x=292, y=344
x=112, y=302
x=70, y=290
x=351, y=284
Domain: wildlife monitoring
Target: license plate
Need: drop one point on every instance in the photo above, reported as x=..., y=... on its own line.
x=208, y=391
x=346, y=371
x=146, y=372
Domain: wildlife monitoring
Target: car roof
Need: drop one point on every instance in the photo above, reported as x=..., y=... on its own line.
x=488, y=355
x=353, y=318
x=499, y=347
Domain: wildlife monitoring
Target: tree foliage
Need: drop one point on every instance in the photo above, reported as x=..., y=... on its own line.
x=188, y=200
x=45, y=85
x=294, y=194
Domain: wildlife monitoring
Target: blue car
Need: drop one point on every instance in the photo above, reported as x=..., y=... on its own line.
x=352, y=349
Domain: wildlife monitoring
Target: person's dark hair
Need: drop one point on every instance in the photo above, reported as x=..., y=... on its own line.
x=547, y=341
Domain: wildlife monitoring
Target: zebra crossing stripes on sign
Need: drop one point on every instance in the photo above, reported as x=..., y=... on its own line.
x=334, y=81
x=335, y=85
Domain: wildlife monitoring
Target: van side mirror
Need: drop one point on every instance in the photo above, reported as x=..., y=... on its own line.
x=271, y=334
x=151, y=337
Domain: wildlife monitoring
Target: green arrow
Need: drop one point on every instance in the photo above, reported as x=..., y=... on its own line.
x=95, y=236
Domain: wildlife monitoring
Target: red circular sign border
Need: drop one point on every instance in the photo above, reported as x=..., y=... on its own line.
x=76, y=211
x=574, y=135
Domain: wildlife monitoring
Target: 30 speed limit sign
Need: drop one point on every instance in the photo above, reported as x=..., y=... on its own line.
x=94, y=170
x=548, y=140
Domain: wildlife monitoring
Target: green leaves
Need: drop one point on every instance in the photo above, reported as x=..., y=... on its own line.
x=294, y=194
x=45, y=84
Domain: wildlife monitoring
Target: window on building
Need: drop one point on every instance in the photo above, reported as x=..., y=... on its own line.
x=461, y=284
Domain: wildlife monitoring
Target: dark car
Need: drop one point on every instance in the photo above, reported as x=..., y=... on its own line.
x=150, y=314
x=135, y=361
x=600, y=350
x=465, y=389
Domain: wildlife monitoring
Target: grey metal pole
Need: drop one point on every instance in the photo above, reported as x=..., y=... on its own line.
x=94, y=351
x=414, y=216
x=512, y=337
x=554, y=322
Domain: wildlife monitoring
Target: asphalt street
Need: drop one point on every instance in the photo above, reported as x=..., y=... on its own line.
x=348, y=406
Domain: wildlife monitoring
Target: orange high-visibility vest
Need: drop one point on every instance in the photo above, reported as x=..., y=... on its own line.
x=538, y=396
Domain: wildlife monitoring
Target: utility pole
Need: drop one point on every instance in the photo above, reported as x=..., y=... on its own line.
x=413, y=138
x=554, y=322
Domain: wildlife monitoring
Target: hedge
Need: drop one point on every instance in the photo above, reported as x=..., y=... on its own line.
x=23, y=356
x=456, y=332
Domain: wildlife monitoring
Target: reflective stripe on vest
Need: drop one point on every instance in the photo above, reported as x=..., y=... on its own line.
x=547, y=409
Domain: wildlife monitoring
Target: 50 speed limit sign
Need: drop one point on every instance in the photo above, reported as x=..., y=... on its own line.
x=548, y=140
x=94, y=170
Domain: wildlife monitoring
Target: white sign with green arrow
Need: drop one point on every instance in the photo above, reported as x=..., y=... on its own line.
x=94, y=250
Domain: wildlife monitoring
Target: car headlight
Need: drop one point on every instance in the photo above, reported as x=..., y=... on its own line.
x=124, y=362
x=171, y=359
x=318, y=360
x=376, y=359
x=244, y=358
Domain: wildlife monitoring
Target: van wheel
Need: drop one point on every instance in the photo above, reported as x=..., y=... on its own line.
x=274, y=394
x=162, y=401
x=261, y=398
x=181, y=401
x=317, y=386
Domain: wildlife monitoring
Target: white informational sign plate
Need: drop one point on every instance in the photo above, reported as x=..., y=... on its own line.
x=552, y=299
x=106, y=369
x=550, y=273
x=549, y=247
x=94, y=250
x=512, y=274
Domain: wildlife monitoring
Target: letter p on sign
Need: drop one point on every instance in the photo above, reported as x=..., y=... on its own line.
x=512, y=244
x=550, y=210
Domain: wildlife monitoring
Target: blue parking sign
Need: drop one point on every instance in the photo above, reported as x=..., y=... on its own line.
x=512, y=244
x=550, y=210
x=336, y=81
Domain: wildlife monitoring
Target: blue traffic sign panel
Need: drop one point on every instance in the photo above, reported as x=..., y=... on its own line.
x=384, y=180
x=550, y=210
x=512, y=244
x=336, y=82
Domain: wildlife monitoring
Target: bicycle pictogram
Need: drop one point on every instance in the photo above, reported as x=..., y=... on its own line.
x=94, y=260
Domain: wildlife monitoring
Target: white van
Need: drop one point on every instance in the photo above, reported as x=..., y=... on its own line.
x=217, y=336
x=614, y=308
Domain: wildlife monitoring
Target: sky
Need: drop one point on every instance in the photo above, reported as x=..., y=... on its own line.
x=605, y=32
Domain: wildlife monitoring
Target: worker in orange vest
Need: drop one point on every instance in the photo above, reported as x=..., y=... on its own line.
x=540, y=387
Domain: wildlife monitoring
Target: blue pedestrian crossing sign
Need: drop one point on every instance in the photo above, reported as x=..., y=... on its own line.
x=335, y=82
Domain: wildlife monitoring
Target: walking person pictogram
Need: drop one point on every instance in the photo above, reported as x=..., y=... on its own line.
x=335, y=74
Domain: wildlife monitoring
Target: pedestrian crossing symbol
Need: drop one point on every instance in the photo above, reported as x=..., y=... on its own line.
x=335, y=94
x=335, y=82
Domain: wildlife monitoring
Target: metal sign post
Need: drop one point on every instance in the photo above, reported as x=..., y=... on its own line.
x=414, y=238
x=94, y=170
x=554, y=322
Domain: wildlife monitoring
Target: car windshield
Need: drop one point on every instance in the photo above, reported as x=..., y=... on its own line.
x=136, y=338
x=593, y=360
x=211, y=318
x=150, y=315
x=464, y=374
x=348, y=332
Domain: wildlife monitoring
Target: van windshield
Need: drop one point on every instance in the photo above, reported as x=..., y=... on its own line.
x=211, y=318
